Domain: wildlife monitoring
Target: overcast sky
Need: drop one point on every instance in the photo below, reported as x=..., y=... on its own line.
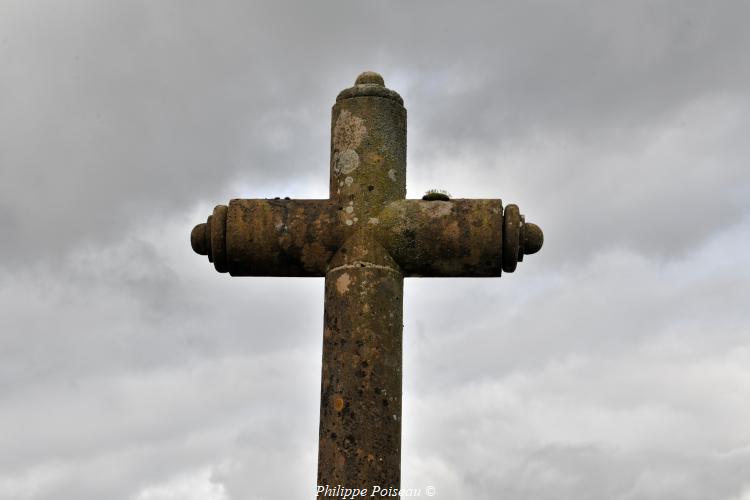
x=613, y=365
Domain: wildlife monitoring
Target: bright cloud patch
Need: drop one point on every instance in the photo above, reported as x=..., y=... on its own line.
x=195, y=486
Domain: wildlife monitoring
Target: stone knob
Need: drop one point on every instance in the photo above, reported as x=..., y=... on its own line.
x=209, y=238
x=532, y=238
x=199, y=239
x=519, y=238
x=370, y=77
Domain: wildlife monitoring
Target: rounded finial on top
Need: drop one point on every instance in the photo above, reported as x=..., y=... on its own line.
x=370, y=77
x=369, y=84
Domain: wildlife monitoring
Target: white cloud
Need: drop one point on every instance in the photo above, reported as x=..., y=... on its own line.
x=195, y=486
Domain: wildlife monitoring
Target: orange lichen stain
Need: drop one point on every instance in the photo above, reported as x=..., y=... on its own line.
x=338, y=403
x=370, y=353
x=342, y=283
x=285, y=241
x=452, y=232
x=313, y=253
x=340, y=459
x=374, y=158
x=327, y=333
x=370, y=457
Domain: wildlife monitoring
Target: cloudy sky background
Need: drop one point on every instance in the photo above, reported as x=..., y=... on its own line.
x=615, y=364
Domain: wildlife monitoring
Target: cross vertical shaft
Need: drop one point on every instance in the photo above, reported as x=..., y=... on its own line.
x=360, y=406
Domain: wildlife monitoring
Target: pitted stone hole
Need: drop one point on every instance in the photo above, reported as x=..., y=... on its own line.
x=370, y=188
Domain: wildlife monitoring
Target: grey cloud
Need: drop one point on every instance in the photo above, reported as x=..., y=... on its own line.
x=116, y=111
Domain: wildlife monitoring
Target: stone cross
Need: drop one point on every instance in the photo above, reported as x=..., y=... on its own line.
x=365, y=239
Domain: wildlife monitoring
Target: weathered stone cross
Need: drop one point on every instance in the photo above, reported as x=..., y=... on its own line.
x=365, y=239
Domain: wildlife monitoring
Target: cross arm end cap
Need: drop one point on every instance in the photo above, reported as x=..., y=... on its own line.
x=533, y=238
x=199, y=239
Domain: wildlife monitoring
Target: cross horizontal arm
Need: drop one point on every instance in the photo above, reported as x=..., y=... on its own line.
x=459, y=237
x=271, y=237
